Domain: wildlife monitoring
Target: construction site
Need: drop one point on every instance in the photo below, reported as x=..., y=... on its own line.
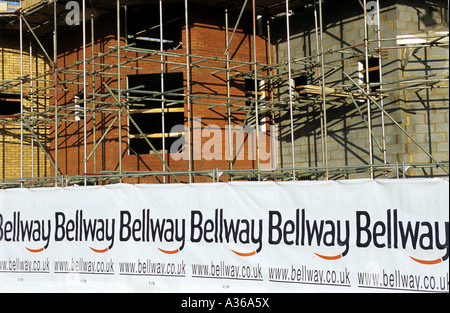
x=96, y=92
x=224, y=146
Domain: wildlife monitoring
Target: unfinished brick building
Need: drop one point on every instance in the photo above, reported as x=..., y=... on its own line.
x=17, y=61
x=154, y=84
x=193, y=91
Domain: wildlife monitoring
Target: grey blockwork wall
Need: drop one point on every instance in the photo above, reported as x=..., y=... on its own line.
x=420, y=106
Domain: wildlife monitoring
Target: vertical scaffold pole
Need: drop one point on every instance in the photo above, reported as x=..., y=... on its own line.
x=291, y=113
x=21, y=94
x=94, y=113
x=84, y=94
x=319, y=75
x=227, y=54
x=324, y=100
x=31, y=107
x=188, y=88
x=119, y=89
x=255, y=80
x=369, y=110
x=380, y=64
x=274, y=128
x=55, y=76
x=163, y=121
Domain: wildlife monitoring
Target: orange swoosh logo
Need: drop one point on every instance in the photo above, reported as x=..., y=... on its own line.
x=329, y=258
x=168, y=251
x=244, y=254
x=99, y=251
x=35, y=250
x=431, y=262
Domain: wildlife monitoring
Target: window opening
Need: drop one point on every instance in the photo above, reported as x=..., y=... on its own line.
x=9, y=105
x=143, y=26
x=78, y=106
x=145, y=109
x=374, y=72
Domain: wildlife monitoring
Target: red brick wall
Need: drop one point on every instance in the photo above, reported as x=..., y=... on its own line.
x=207, y=38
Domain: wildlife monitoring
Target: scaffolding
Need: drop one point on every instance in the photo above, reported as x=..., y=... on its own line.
x=103, y=101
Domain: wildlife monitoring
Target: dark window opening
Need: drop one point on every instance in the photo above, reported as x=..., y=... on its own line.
x=246, y=24
x=146, y=110
x=143, y=26
x=374, y=73
x=301, y=80
x=9, y=104
x=301, y=86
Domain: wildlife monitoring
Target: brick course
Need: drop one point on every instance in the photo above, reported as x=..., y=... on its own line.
x=10, y=129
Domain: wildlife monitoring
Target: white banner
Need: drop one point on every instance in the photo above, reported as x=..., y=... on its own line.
x=324, y=236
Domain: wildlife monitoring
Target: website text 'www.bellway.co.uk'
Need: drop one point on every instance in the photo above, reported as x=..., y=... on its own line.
x=394, y=279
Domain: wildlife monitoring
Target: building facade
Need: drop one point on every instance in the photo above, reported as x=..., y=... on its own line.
x=193, y=91
x=173, y=117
